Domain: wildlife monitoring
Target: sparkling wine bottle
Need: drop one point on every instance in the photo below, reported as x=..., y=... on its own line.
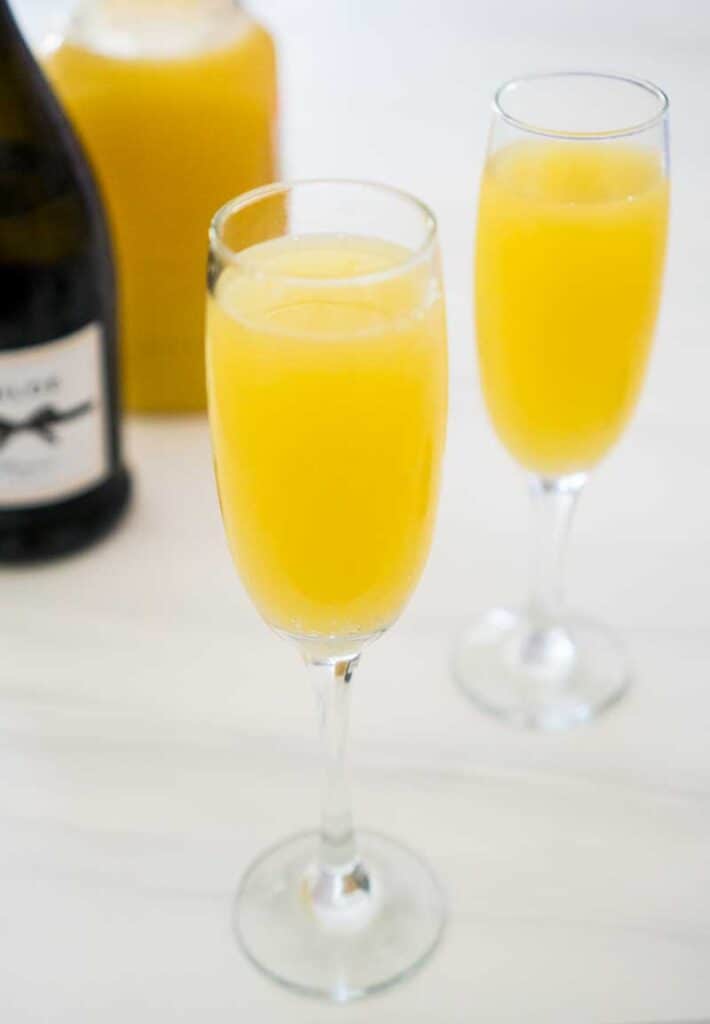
x=62, y=480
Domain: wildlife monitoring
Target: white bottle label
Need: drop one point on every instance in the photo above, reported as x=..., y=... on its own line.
x=53, y=420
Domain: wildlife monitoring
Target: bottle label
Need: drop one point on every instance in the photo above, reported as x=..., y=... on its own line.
x=53, y=420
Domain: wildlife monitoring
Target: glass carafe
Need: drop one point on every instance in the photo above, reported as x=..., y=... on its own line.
x=175, y=101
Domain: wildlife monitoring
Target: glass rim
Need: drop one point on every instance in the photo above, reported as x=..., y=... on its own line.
x=256, y=195
x=615, y=133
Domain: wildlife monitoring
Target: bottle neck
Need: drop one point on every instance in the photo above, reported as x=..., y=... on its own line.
x=8, y=25
x=17, y=64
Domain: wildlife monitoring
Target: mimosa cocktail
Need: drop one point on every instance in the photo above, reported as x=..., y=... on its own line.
x=327, y=383
x=328, y=403
x=571, y=240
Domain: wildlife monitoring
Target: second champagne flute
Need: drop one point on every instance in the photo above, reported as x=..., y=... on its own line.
x=571, y=240
x=327, y=382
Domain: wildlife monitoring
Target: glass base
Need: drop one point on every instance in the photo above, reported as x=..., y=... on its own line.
x=541, y=677
x=384, y=923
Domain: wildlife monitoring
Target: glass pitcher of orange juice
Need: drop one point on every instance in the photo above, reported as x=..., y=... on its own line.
x=175, y=102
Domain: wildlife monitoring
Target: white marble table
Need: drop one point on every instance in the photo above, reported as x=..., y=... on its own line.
x=154, y=735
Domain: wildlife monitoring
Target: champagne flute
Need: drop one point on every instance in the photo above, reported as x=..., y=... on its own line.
x=570, y=249
x=327, y=382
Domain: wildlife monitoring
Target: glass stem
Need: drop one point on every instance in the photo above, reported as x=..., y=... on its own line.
x=333, y=679
x=554, y=502
x=339, y=886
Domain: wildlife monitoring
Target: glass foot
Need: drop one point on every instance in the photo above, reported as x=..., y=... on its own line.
x=388, y=919
x=541, y=677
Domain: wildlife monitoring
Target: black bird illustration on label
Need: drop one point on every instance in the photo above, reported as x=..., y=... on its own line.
x=42, y=422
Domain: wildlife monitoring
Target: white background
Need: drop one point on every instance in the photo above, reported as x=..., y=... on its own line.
x=154, y=735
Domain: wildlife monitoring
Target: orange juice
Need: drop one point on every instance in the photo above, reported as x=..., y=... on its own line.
x=178, y=115
x=569, y=259
x=327, y=407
